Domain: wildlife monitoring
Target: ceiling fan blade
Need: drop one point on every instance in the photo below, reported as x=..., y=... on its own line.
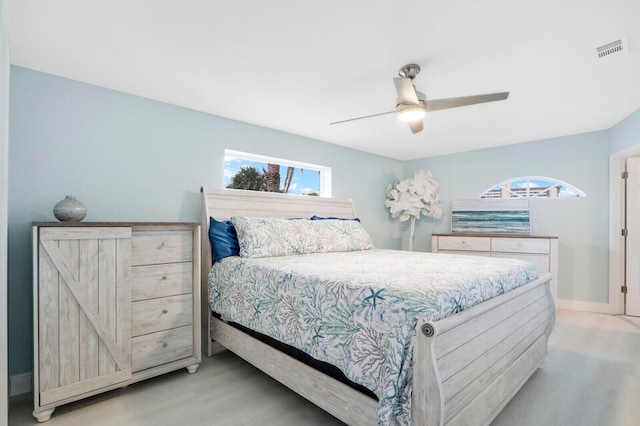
x=437, y=104
x=415, y=126
x=406, y=91
x=364, y=116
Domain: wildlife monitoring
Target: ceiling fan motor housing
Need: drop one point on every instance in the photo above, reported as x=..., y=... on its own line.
x=409, y=71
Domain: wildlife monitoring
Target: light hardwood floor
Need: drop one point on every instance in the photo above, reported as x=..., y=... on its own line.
x=591, y=377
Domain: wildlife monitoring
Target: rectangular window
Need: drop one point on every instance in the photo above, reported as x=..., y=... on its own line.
x=255, y=172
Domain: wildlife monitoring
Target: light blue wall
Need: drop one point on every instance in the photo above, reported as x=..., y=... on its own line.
x=581, y=224
x=626, y=134
x=133, y=159
x=129, y=158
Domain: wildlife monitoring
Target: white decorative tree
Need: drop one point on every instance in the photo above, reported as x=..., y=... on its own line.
x=409, y=198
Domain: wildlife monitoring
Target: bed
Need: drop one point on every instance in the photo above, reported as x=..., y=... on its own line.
x=464, y=367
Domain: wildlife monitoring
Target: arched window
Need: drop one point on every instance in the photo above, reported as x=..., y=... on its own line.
x=533, y=187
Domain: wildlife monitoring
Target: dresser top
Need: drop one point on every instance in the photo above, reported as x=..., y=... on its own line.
x=493, y=235
x=89, y=224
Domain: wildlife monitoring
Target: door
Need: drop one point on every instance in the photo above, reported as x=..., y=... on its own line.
x=84, y=310
x=633, y=238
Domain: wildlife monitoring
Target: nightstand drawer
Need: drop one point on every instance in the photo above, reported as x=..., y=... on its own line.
x=159, y=348
x=150, y=247
x=153, y=281
x=153, y=315
x=464, y=243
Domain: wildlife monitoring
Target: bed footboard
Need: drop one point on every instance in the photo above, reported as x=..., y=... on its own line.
x=333, y=396
x=468, y=366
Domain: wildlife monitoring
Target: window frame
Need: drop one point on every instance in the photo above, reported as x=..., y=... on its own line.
x=325, y=171
x=573, y=188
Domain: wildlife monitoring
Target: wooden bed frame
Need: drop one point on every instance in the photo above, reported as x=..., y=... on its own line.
x=467, y=367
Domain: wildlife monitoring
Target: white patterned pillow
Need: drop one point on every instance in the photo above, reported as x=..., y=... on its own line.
x=265, y=237
x=341, y=235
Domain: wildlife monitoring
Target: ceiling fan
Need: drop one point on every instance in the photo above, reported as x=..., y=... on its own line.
x=412, y=105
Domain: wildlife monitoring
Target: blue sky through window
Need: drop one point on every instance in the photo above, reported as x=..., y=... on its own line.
x=304, y=181
x=534, y=186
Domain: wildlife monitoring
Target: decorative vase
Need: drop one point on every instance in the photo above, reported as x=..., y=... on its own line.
x=69, y=210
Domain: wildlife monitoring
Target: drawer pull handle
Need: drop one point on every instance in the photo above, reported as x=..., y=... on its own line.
x=161, y=245
x=164, y=278
x=164, y=345
x=164, y=311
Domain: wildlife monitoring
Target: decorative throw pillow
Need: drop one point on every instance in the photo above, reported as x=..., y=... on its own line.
x=314, y=217
x=341, y=235
x=265, y=237
x=224, y=240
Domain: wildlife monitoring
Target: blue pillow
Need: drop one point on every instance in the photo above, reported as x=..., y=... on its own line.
x=314, y=217
x=224, y=240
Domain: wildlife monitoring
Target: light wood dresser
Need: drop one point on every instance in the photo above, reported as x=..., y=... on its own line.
x=114, y=303
x=541, y=251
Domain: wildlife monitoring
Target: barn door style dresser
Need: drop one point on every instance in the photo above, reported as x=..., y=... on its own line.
x=114, y=303
x=541, y=251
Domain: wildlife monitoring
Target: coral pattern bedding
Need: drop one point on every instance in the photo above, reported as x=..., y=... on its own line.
x=358, y=310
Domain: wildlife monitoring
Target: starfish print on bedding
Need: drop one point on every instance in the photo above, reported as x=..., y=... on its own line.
x=256, y=310
x=375, y=295
x=317, y=334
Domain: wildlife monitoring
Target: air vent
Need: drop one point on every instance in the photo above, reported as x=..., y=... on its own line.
x=613, y=48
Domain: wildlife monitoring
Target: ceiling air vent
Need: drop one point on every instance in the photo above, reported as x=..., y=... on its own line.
x=612, y=48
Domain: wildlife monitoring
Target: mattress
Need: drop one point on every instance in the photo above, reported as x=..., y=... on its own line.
x=358, y=310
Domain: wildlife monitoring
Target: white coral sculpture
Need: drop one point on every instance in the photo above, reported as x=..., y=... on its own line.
x=409, y=198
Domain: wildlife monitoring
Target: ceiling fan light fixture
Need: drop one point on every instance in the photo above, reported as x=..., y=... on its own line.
x=409, y=113
x=411, y=105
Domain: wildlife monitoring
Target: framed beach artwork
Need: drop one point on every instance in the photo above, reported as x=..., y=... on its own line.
x=490, y=216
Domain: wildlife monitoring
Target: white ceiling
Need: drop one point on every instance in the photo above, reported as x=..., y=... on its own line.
x=297, y=65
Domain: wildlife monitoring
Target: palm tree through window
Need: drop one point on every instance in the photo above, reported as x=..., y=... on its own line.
x=261, y=173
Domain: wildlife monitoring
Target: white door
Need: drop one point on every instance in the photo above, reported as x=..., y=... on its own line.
x=633, y=238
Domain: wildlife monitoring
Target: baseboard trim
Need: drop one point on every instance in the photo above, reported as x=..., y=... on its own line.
x=580, y=305
x=20, y=383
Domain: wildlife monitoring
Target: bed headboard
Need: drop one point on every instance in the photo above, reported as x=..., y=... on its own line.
x=222, y=204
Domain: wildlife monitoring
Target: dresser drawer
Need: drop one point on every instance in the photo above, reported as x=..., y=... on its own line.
x=464, y=243
x=541, y=262
x=539, y=250
x=152, y=281
x=466, y=253
x=149, y=246
x=159, y=348
x=521, y=245
x=153, y=315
